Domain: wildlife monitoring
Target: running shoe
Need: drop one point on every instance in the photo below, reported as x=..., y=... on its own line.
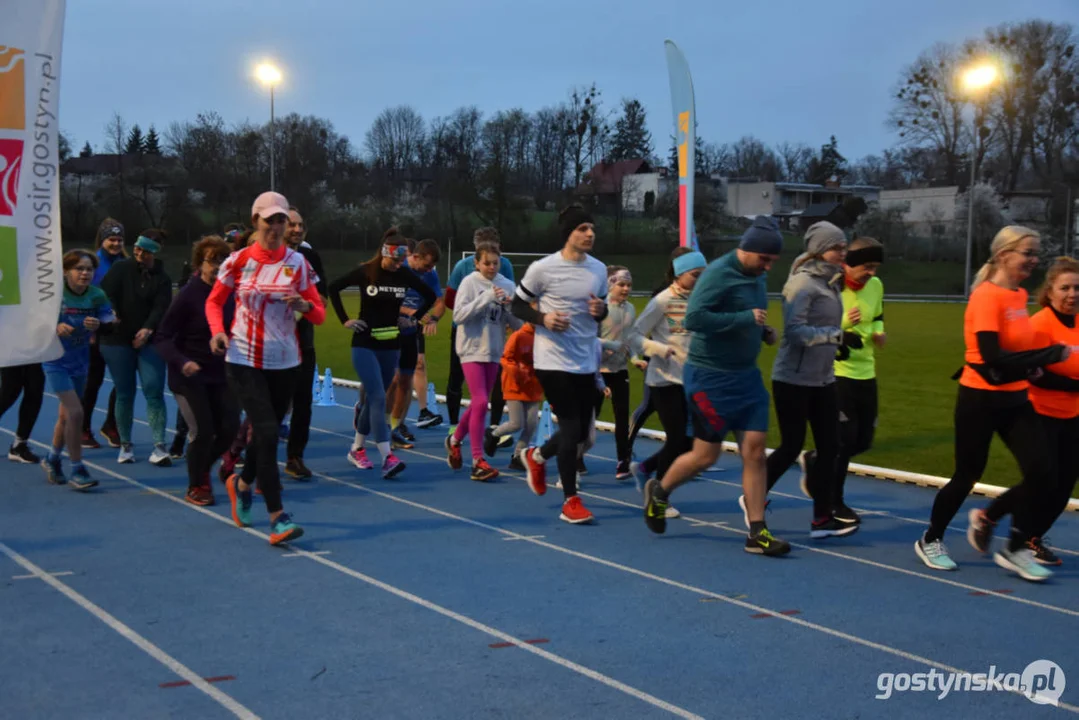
x=21, y=453
x=392, y=467
x=831, y=527
x=283, y=530
x=89, y=442
x=490, y=442
x=640, y=477
x=54, y=472
x=200, y=495
x=516, y=463
x=399, y=441
x=845, y=514
x=535, y=471
x=403, y=429
x=574, y=511
x=81, y=480
x=745, y=512
x=359, y=459
x=934, y=554
x=482, y=471
x=295, y=467
x=240, y=501
x=622, y=471
x=1043, y=554
x=160, y=456
x=112, y=435
x=428, y=419
x=1022, y=562
x=764, y=543
x=453, y=453
x=127, y=454
x=655, y=510
x=980, y=531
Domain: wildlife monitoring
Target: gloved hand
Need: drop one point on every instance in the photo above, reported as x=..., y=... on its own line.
x=852, y=340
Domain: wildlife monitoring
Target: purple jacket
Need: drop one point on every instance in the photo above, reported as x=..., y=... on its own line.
x=184, y=335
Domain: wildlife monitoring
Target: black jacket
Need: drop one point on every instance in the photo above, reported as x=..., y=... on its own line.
x=139, y=298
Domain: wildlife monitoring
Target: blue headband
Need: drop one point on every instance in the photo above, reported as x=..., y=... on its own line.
x=687, y=262
x=150, y=246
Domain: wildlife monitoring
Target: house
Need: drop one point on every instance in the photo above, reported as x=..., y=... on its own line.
x=606, y=184
x=923, y=208
x=788, y=201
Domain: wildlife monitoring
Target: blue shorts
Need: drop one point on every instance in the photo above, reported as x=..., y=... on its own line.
x=62, y=381
x=721, y=402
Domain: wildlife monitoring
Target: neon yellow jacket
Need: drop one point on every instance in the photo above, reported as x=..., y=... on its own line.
x=861, y=364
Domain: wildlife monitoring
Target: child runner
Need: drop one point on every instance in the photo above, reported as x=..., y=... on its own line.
x=1002, y=349
x=728, y=314
x=570, y=289
x=614, y=334
x=1054, y=393
x=84, y=310
x=272, y=283
x=481, y=311
x=522, y=393
x=856, y=368
x=803, y=375
x=376, y=340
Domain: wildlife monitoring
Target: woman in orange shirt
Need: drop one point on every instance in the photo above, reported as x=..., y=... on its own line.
x=1054, y=393
x=1002, y=350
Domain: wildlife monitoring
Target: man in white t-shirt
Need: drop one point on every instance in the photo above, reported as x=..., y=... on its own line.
x=564, y=296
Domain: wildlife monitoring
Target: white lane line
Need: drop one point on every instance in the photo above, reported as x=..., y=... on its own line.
x=33, y=576
x=139, y=641
x=403, y=594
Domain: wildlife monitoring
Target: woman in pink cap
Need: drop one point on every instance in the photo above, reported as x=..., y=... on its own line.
x=272, y=282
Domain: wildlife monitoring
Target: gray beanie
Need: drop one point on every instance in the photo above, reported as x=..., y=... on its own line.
x=762, y=237
x=822, y=237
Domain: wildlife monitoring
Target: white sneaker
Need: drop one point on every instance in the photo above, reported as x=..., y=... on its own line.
x=160, y=456
x=127, y=454
x=672, y=512
x=1022, y=562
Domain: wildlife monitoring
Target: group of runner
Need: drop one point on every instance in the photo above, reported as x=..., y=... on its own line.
x=239, y=338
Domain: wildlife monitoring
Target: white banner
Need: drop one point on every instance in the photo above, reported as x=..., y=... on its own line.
x=31, y=274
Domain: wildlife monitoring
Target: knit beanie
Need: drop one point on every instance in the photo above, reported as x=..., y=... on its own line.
x=108, y=228
x=762, y=237
x=822, y=237
x=570, y=219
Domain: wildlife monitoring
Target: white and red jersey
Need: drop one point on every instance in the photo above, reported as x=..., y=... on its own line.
x=264, y=328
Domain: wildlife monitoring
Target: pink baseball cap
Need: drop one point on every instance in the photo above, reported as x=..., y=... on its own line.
x=269, y=204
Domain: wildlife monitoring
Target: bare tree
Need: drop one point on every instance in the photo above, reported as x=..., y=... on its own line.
x=395, y=140
x=795, y=160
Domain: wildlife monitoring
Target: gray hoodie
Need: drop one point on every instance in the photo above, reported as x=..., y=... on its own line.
x=812, y=319
x=481, y=319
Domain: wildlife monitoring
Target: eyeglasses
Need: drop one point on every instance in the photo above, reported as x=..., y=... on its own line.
x=83, y=269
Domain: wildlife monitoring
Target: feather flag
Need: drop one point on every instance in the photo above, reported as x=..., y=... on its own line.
x=685, y=124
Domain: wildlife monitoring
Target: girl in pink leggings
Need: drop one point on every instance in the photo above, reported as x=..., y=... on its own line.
x=481, y=313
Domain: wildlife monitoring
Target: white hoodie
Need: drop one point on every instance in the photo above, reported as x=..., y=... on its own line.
x=481, y=320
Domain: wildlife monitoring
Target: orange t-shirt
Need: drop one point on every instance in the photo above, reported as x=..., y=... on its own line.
x=1056, y=403
x=519, y=381
x=995, y=309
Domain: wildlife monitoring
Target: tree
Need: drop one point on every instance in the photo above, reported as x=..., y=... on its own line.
x=63, y=146
x=86, y=151
x=631, y=138
x=395, y=140
x=587, y=129
x=152, y=145
x=796, y=160
x=135, y=142
x=989, y=217
x=829, y=164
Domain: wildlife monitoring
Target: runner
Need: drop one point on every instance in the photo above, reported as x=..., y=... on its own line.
x=179, y=439
x=522, y=392
x=1054, y=393
x=803, y=375
x=376, y=341
x=570, y=288
x=727, y=315
x=140, y=292
x=299, y=429
x=109, y=245
x=84, y=311
x=196, y=375
x=614, y=334
x=272, y=283
x=1002, y=349
x=28, y=381
x=856, y=368
x=482, y=316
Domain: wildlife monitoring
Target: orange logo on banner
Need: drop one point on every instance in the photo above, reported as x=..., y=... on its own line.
x=683, y=147
x=12, y=88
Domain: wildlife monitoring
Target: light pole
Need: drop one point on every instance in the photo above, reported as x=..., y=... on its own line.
x=975, y=79
x=269, y=75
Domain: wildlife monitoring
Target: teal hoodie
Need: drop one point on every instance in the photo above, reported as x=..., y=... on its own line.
x=726, y=336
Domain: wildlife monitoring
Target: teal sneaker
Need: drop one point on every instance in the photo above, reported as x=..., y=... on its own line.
x=81, y=480
x=934, y=554
x=240, y=501
x=54, y=472
x=1022, y=562
x=283, y=530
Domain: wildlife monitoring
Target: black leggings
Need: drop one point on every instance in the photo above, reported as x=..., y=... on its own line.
x=1064, y=436
x=94, y=379
x=979, y=414
x=618, y=382
x=640, y=416
x=670, y=402
x=456, y=381
x=29, y=381
x=264, y=395
x=795, y=405
x=857, y=425
x=299, y=429
x=572, y=398
x=211, y=415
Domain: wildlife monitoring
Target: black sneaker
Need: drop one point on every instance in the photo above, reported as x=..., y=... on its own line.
x=1043, y=554
x=764, y=543
x=399, y=441
x=845, y=514
x=505, y=441
x=655, y=510
x=428, y=419
x=22, y=453
x=490, y=442
x=176, y=450
x=831, y=527
x=403, y=429
x=296, y=468
x=516, y=464
x=621, y=471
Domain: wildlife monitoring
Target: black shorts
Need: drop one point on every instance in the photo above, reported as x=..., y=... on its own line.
x=406, y=362
x=421, y=342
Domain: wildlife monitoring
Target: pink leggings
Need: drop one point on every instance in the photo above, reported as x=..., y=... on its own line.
x=480, y=378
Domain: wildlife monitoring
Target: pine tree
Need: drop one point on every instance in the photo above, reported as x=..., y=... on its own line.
x=828, y=164
x=631, y=139
x=135, y=142
x=152, y=145
x=86, y=151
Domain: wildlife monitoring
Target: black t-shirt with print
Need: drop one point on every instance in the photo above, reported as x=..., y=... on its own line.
x=380, y=303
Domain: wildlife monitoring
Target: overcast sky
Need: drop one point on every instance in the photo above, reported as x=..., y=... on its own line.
x=777, y=69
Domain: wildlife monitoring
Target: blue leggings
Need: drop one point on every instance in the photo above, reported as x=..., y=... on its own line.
x=124, y=362
x=376, y=369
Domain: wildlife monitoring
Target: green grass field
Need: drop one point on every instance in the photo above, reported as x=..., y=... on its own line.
x=917, y=396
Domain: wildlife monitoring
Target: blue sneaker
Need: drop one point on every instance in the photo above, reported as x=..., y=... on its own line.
x=1022, y=563
x=81, y=480
x=934, y=554
x=54, y=472
x=283, y=530
x=240, y=501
